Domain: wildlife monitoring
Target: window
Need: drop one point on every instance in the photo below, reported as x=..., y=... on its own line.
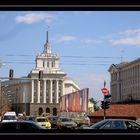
x=117, y=124
x=52, y=64
x=43, y=64
x=107, y=126
x=132, y=125
x=48, y=64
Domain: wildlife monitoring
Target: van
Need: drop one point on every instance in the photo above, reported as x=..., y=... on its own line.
x=9, y=117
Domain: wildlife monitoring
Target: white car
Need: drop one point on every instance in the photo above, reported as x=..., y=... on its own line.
x=64, y=122
x=9, y=117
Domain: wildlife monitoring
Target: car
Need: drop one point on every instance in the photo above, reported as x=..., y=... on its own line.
x=116, y=124
x=30, y=118
x=53, y=121
x=9, y=117
x=64, y=122
x=20, y=125
x=48, y=115
x=79, y=120
x=83, y=126
x=44, y=122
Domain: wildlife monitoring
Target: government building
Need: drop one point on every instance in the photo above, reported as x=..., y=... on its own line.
x=35, y=96
x=125, y=82
x=125, y=92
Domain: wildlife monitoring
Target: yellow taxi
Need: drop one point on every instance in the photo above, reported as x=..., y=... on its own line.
x=44, y=122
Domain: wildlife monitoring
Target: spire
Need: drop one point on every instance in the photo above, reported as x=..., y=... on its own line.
x=47, y=47
x=47, y=37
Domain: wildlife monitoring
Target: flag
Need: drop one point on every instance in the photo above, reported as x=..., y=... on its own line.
x=81, y=99
x=67, y=103
x=70, y=102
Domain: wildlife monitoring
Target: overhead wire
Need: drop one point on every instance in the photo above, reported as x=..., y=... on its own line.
x=73, y=60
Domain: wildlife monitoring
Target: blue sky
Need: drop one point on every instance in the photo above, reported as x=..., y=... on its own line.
x=88, y=42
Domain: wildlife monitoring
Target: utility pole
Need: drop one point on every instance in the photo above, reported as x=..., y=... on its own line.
x=104, y=91
x=104, y=109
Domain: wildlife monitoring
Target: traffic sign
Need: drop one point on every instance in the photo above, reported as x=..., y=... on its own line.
x=104, y=90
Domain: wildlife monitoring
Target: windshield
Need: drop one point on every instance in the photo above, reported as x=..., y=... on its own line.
x=42, y=120
x=9, y=118
x=99, y=124
x=65, y=120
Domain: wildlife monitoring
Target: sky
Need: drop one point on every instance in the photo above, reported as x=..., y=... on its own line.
x=87, y=42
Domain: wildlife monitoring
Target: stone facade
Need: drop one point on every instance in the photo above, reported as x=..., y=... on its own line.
x=125, y=82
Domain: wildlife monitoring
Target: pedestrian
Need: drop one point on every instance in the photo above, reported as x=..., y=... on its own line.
x=87, y=120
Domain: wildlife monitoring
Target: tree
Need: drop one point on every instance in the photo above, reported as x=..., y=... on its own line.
x=96, y=107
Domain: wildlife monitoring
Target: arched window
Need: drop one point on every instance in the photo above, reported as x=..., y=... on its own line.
x=47, y=110
x=54, y=111
x=40, y=111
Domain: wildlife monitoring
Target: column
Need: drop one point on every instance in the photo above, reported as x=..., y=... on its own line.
x=44, y=92
x=62, y=90
x=50, y=91
x=38, y=92
x=32, y=95
x=56, y=91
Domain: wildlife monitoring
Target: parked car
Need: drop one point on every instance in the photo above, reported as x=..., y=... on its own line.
x=44, y=122
x=9, y=117
x=30, y=118
x=79, y=120
x=64, y=122
x=53, y=121
x=83, y=126
x=20, y=125
x=115, y=124
x=48, y=115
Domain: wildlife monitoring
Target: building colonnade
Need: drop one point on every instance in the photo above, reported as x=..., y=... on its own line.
x=46, y=90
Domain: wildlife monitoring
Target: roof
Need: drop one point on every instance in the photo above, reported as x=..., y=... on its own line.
x=123, y=64
x=120, y=110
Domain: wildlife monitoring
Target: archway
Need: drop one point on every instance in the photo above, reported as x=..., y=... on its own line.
x=40, y=111
x=54, y=111
x=47, y=110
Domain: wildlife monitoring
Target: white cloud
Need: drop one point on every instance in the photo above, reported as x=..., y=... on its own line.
x=64, y=38
x=34, y=18
x=91, y=41
x=128, y=37
x=126, y=41
x=130, y=32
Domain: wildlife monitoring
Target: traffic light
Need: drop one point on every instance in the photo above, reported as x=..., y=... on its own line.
x=11, y=74
x=107, y=100
x=107, y=96
x=102, y=105
x=40, y=75
x=105, y=104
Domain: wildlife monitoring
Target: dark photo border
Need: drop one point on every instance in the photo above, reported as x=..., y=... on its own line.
x=69, y=5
